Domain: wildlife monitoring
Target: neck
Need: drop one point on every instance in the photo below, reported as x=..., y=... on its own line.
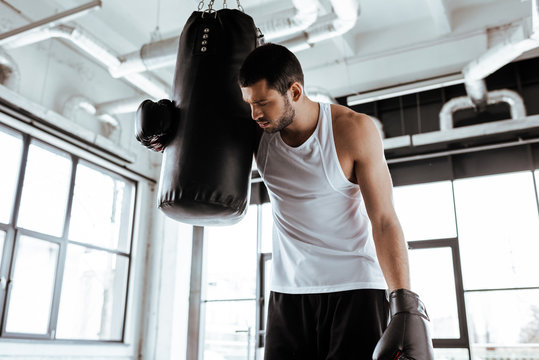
x=304, y=123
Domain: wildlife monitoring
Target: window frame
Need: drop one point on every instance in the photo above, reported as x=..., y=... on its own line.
x=452, y=243
x=13, y=233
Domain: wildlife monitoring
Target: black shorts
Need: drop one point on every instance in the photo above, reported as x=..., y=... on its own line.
x=330, y=326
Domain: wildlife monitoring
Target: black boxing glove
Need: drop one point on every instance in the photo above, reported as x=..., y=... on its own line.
x=155, y=124
x=407, y=336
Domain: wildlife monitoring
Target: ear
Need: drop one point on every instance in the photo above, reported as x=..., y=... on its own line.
x=296, y=90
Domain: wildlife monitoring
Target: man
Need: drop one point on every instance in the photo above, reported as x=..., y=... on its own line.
x=337, y=242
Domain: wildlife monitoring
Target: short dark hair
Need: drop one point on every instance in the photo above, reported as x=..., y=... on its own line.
x=274, y=63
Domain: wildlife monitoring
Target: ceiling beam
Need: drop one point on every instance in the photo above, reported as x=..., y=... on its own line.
x=345, y=44
x=441, y=15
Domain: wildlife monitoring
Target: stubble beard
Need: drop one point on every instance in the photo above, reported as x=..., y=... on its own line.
x=286, y=118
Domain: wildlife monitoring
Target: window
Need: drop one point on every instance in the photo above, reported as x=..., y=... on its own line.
x=32, y=289
x=100, y=214
x=427, y=215
x=229, y=289
x=426, y=211
x=2, y=241
x=439, y=294
x=485, y=304
x=10, y=157
x=65, y=225
x=498, y=231
x=499, y=237
x=45, y=190
x=92, y=304
x=266, y=228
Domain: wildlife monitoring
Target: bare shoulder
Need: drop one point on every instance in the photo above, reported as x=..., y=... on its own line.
x=352, y=128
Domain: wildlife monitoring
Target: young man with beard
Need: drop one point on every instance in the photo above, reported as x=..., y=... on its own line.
x=337, y=242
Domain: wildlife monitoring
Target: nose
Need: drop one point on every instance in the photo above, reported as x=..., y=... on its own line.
x=256, y=112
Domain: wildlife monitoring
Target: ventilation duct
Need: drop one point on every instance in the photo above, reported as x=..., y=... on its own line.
x=9, y=72
x=341, y=20
x=109, y=126
x=306, y=12
x=506, y=43
x=516, y=104
x=123, y=106
x=162, y=53
x=93, y=47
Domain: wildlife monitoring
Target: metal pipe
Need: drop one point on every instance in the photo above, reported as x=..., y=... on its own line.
x=510, y=41
x=162, y=53
x=305, y=14
x=150, y=56
x=477, y=92
x=516, y=104
x=195, y=295
x=341, y=20
x=109, y=124
x=96, y=49
x=123, y=106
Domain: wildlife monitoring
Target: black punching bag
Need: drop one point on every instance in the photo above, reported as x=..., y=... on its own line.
x=206, y=132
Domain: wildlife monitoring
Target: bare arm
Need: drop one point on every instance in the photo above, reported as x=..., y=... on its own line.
x=364, y=146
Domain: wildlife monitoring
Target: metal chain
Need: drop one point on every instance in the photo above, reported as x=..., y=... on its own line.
x=239, y=6
x=210, y=6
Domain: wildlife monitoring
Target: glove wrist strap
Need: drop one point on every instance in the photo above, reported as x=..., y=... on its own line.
x=406, y=301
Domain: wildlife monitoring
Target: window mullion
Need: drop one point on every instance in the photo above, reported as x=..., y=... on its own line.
x=22, y=173
x=459, y=287
x=5, y=271
x=69, y=206
x=60, y=268
x=6, y=267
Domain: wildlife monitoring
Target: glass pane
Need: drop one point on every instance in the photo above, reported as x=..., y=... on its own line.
x=93, y=299
x=436, y=289
x=10, y=157
x=229, y=330
x=2, y=241
x=267, y=283
x=102, y=207
x=45, y=190
x=230, y=259
x=32, y=286
x=504, y=324
x=267, y=228
x=451, y=354
x=426, y=211
x=498, y=231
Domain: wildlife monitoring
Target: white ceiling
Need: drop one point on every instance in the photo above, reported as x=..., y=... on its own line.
x=393, y=42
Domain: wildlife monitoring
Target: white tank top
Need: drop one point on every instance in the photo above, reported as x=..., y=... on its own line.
x=322, y=237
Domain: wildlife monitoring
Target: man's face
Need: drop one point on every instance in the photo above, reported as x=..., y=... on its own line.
x=271, y=110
